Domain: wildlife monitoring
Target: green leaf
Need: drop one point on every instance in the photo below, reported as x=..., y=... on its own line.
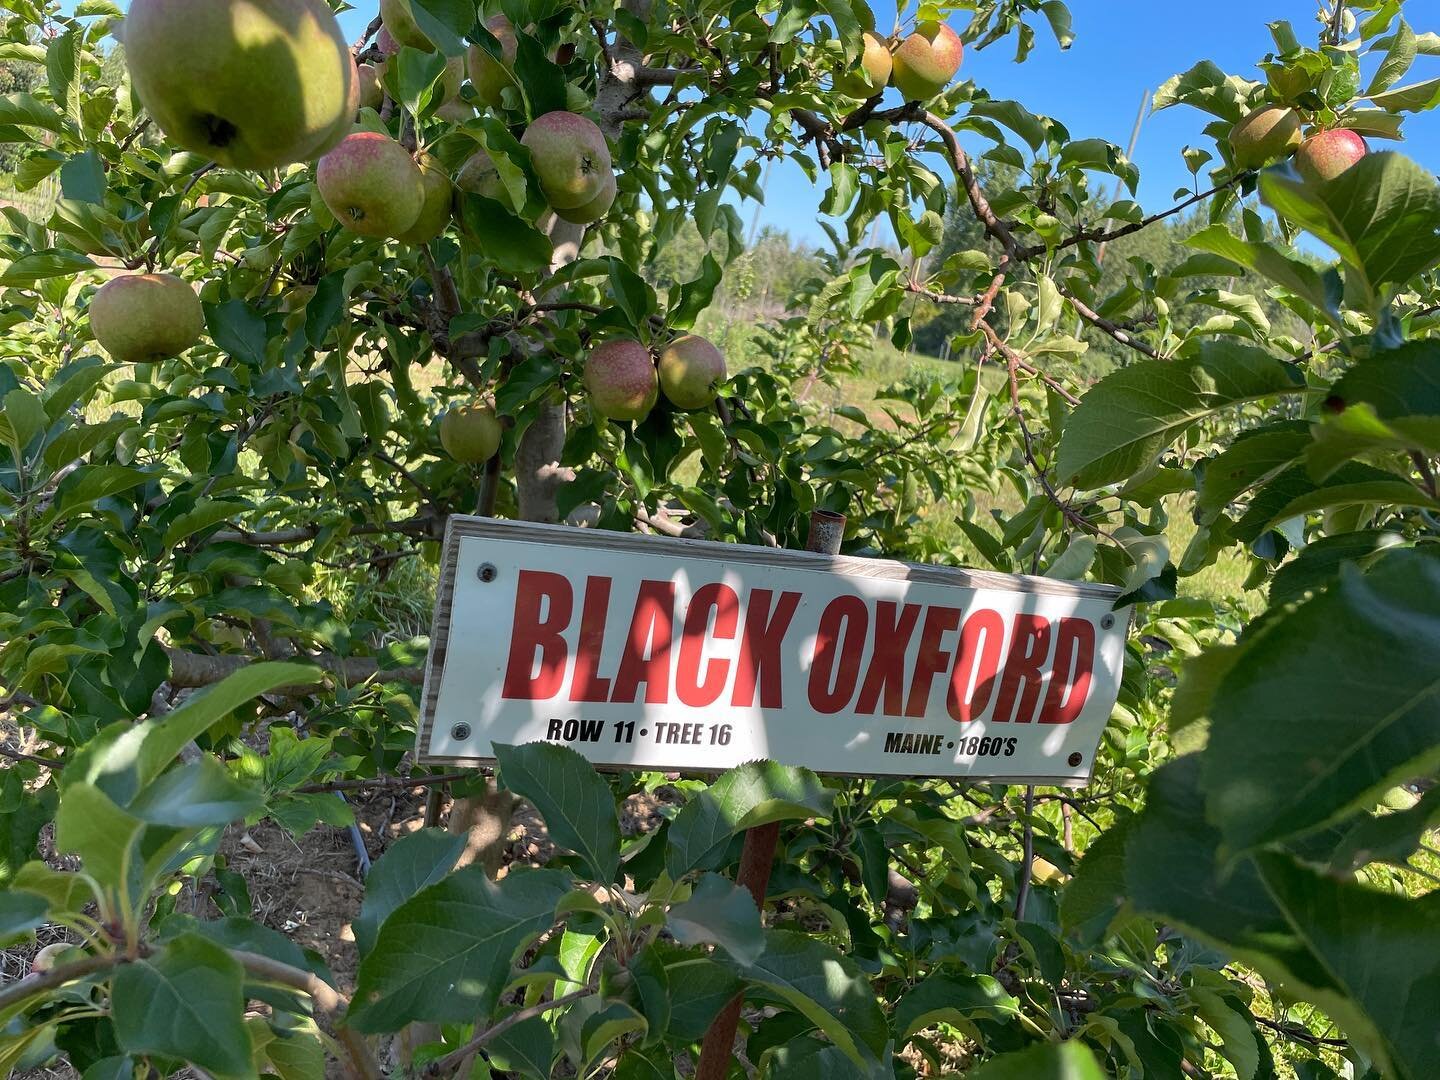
x=575, y=801
x=445, y=954
x=1371, y=942
x=1129, y=417
x=25, y=110
x=1049, y=1061
x=1251, y=460
x=239, y=330
x=132, y=756
x=752, y=794
x=527, y=1048
x=41, y=265
x=1236, y=1030
x=445, y=22
x=826, y=988
x=1417, y=97
x=185, y=1001
x=1380, y=215
x=719, y=912
x=1101, y=156
x=1334, y=704
x=1318, y=566
x=23, y=417
x=90, y=825
x=1208, y=88
x=196, y=795
x=1097, y=895
x=953, y=999
x=699, y=989
x=22, y=912
x=511, y=242
x=1398, y=58
x=410, y=864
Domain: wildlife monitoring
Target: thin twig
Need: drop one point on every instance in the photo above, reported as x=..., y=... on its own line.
x=451, y=1061
x=404, y=783
x=1119, y=333
x=1027, y=865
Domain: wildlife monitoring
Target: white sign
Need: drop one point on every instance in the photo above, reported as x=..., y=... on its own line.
x=658, y=653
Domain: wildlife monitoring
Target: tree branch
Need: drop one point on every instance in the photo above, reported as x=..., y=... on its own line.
x=1120, y=334
x=1104, y=237
x=426, y=526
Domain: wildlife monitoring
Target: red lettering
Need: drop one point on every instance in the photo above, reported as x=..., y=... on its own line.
x=531, y=632
x=932, y=659
x=893, y=627
x=1028, y=650
x=760, y=648
x=1070, y=677
x=647, y=649
x=975, y=663
x=835, y=663
x=586, y=685
x=689, y=687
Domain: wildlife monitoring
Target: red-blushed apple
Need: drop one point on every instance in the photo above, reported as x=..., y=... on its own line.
x=435, y=210
x=141, y=318
x=399, y=18
x=386, y=43
x=570, y=156
x=926, y=61
x=371, y=184
x=871, y=74
x=488, y=75
x=1264, y=135
x=691, y=371
x=1327, y=154
x=252, y=85
x=595, y=209
x=620, y=378
x=372, y=85
x=470, y=433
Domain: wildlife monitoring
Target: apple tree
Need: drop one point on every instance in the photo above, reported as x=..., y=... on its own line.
x=297, y=300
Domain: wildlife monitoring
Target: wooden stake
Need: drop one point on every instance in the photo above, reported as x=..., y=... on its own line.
x=717, y=1051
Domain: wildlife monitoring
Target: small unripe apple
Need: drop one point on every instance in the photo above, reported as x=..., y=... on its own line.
x=250, y=85
x=479, y=176
x=435, y=210
x=1327, y=154
x=691, y=371
x=372, y=86
x=140, y=318
x=399, y=18
x=593, y=210
x=872, y=73
x=1265, y=135
x=470, y=433
x=926, y=61
x=371, y=184
x=488, y=75
x=620, y=378
x=571, y=158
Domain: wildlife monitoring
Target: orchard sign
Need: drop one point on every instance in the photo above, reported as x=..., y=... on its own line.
x=660, y=653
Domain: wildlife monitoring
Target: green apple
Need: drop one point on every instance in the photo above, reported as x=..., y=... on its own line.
x=251, y=85
x=1265, y=135
x=570, y=156
x=1327, y=154
x=691, y=371
x=372, y=85
x=873, y=72
x=399, y=18
x=926, y=61
x=435, y=210
x=595, y=209
x=139, y=318
x=620, y=378
x=488, y=75
x=470, y=433
x=371, y=184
